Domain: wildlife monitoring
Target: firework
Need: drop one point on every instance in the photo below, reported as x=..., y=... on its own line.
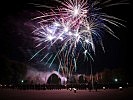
x=69, y=30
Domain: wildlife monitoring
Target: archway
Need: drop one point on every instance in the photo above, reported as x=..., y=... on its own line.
x=54, y=79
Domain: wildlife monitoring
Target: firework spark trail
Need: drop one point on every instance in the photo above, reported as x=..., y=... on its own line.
x=74, y=23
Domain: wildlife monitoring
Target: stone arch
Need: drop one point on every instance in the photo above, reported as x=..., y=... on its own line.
x=57, y=76
x=54, y=79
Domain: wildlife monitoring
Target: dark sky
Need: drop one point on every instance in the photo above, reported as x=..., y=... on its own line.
x=14, y=41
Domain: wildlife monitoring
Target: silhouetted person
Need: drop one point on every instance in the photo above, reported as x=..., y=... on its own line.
x=89, y=86
x=95, y=85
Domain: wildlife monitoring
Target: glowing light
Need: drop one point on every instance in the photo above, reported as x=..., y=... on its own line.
x=104, y=88
x=120, y=88
x=61, y=38
x=22, y=81
x=66, y=29
x=87, y=40
x=50, y=38
x=75, y=12
x=116, y=80
x=69, y=33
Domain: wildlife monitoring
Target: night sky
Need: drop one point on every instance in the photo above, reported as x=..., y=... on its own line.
x=15, y=42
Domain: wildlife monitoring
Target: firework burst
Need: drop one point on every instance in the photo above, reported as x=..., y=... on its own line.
x=69, y=30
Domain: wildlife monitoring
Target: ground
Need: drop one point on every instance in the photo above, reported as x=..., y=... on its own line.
x=108, y=94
